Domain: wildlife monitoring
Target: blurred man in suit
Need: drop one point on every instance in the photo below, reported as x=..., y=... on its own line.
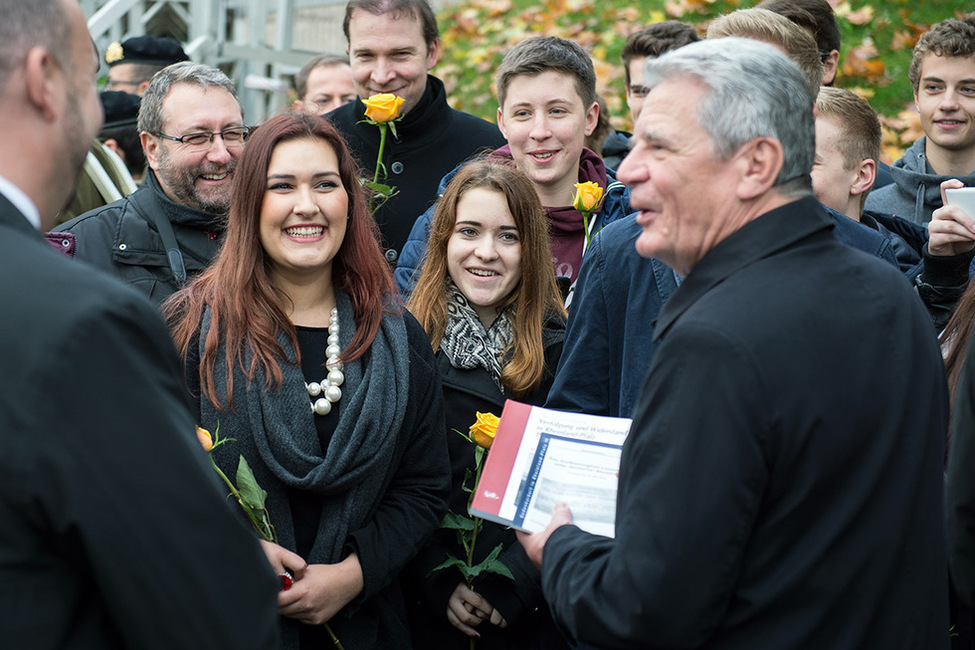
x=116, y=533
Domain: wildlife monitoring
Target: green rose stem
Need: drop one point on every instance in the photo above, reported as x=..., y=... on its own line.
x=585, y=225
x=262, y=527
x=265, y=532
x=479, y=461
x=379, y=158
x=379, y=166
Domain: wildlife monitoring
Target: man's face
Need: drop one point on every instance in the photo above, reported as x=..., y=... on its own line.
x=198, y=177
x=686, y=194
x=329, y=86
x=122, y=76
x=831, y=180
x=389, y=55
x=945, y=100
x=545, y=123
x=83, y=110
x=636, y=92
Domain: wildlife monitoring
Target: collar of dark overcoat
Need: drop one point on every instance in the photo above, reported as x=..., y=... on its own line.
x=766, y=235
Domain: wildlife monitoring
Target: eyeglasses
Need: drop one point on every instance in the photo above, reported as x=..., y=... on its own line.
x=233, y=137
x=119, y=82
x=639, y=91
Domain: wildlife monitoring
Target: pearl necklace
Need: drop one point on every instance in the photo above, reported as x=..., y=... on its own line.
x=330, y=385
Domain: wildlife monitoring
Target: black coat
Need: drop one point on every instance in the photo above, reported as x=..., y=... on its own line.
x=119, y=240
x=433, y=139
x=115, y=530
x=467, y=391
x=781, y=486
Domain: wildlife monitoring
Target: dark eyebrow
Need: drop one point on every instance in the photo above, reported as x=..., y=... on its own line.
x=288, y=175
x=471, y=222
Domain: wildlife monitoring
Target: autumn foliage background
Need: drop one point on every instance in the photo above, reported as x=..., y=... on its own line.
x=877, y=38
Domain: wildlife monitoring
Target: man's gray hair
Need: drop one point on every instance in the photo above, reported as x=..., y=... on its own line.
x=151, y=117
x=30, y=24
x=754, y=91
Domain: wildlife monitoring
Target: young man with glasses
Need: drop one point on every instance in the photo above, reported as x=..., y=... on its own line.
x=192, y=133
x=647, y=43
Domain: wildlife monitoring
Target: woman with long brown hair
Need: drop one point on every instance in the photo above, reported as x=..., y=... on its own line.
x=296, y=347
x=488, y=300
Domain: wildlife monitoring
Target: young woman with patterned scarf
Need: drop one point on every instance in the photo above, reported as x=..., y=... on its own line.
x=488, y=300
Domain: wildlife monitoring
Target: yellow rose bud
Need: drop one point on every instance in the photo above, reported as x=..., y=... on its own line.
x=587, y=196
x=204, y=437
x=383, y=107
x=484, y=430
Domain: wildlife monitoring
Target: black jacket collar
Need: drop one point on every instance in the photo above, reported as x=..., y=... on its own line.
x=758, y=239
x=423, y=124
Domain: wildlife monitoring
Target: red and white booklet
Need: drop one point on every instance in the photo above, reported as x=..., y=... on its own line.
x=541, y=457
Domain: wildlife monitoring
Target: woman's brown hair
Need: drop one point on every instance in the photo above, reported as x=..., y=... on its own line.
x=534, y=299
x=246, y=312
x=956, y=337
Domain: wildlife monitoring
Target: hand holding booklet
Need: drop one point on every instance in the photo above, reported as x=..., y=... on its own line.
x=541, y=457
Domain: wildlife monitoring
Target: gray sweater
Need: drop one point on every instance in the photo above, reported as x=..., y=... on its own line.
x=916, y=190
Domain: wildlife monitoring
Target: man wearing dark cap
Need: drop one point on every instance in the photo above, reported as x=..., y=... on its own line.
x=121, y=132
x=133, y=61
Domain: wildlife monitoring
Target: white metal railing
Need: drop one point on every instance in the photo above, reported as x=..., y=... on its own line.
x=245, y=38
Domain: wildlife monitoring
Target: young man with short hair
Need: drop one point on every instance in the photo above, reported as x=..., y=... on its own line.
x=848, y=140
x=547, y=107
x=942, y=74
x=647, y=43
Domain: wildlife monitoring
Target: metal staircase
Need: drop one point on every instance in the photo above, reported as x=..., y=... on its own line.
x=260, y=44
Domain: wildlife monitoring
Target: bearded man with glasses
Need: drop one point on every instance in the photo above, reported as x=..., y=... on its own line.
x=192, y=132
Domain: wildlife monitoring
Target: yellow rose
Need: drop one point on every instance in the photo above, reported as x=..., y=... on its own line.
x=383, y=107
x=204, y=437
x=483, y=431
x=587, y=196
x=114, y=53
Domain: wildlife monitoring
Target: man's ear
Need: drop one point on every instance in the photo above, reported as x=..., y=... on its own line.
x=866, y=175
x=433, y=54
x=112, y=143
x=501, y=127
x=592, y=118
x=150, y=145
x=830, y=67
x=41, y=77
x=759, y=161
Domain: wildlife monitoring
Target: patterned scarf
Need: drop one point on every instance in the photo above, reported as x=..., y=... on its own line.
x=465, y=341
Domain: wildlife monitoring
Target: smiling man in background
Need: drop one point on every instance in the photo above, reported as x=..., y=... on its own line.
x=116, y=533
x=942, y=74
x=392, y=46
x=323, y=84
x=192, y=132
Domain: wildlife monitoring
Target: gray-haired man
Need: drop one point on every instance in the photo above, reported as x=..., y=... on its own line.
x=192, y=132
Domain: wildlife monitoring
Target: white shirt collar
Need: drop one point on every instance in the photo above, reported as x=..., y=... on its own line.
x=21, y=201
